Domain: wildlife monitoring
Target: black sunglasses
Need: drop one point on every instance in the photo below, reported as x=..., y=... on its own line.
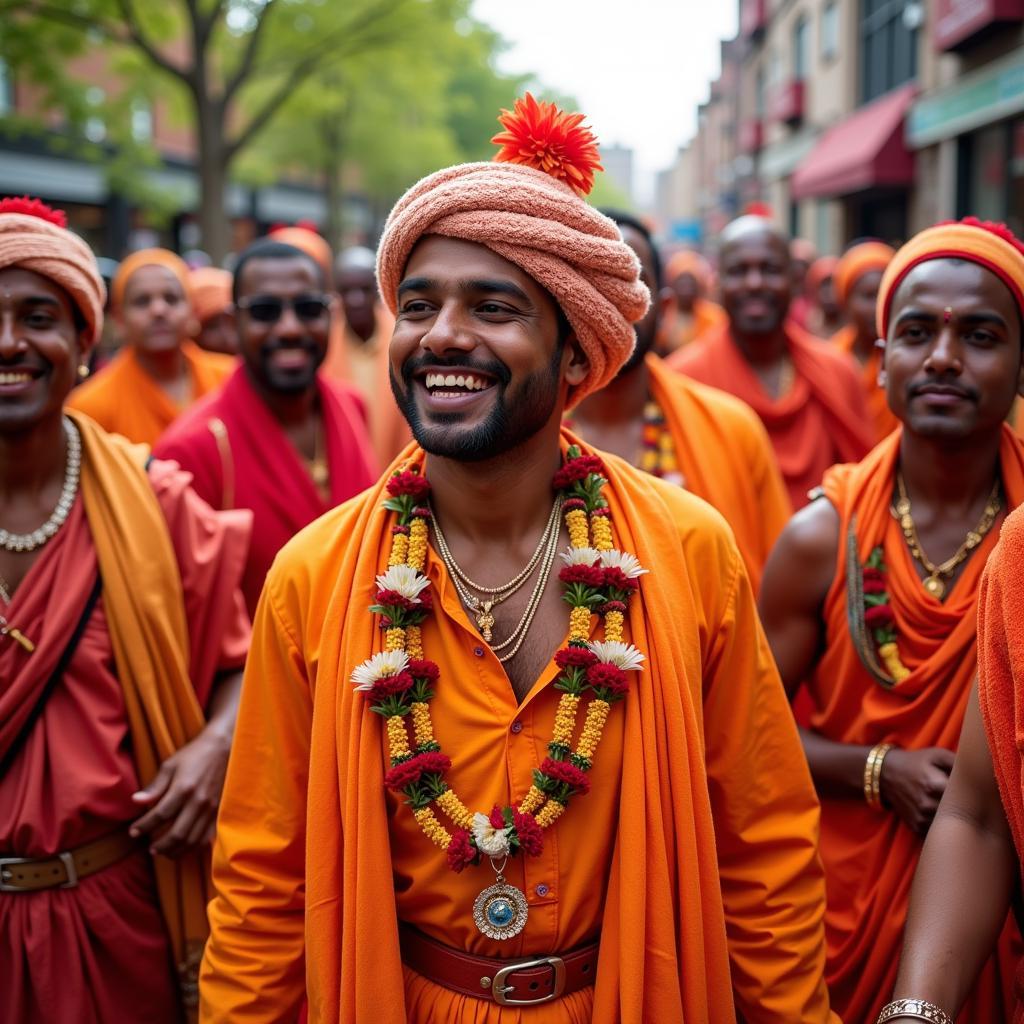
x=268, y=309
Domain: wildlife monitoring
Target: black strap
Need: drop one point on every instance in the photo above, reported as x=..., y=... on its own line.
x=55, y=677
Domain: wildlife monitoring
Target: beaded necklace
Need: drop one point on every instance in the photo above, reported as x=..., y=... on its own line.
x=399, y=681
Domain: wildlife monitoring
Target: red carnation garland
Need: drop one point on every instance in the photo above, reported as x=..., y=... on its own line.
x=34, y=208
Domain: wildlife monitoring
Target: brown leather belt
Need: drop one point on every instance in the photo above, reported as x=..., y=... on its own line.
x=64, y=870
x=508, y=982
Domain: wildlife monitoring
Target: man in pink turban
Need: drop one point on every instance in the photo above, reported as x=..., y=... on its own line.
x=416, y=846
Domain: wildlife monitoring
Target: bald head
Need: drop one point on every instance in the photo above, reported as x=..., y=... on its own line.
x=356, y=281
x=755, y=276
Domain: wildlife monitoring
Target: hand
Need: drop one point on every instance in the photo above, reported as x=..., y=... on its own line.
x=184, y=796
x=913, y=781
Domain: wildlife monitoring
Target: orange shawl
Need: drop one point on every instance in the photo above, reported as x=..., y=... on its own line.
x=676, y=332
x=820, y=421
x=725, y=458
x=159, y=666
x=306, y=865
x=870, y=856
x=123, y=399
x=882, y=420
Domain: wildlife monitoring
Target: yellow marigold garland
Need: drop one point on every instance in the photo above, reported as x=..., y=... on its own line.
x=400, y=688
x=879, y=618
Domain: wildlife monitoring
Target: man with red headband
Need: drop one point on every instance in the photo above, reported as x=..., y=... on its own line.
x=122, y=635
x=158, y=372
x=502, y=712
x=807, y=396
x=871, y=595
x=857, y=279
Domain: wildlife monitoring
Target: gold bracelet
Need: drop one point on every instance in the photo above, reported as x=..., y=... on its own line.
x=873, y=775
x=917, y=1009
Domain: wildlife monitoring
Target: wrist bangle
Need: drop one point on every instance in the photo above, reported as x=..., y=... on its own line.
x=916, y=1009
x=873, y=775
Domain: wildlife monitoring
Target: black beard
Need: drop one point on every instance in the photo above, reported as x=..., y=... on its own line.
x=516, y=416
x=287, y=383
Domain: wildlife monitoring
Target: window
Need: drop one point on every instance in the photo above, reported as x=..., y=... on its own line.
x=889, y=38
x=801, y=49
x=6, y=89
x=95, y=126
x=759, y=93
x=830, y=31
x=142, y=120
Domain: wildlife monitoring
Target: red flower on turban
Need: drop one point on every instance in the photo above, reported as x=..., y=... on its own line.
x=33, y=208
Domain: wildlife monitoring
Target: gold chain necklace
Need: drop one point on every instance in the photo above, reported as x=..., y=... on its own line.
x=482, y=607
x=933, y=582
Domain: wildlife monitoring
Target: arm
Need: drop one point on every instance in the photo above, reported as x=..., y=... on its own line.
x=796, y=581
x=766, y=825
x=253, y=969
x=185, y=793
x=964, y=881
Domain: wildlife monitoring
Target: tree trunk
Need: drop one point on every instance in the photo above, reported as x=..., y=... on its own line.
x=333, y=193
x=213, y=166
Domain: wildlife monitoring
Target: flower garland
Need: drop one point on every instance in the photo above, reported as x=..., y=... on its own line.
x=399, y=681
x=878, y=614
x=658, y=448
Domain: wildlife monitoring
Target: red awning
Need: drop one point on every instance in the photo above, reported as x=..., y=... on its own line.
x=864, y=151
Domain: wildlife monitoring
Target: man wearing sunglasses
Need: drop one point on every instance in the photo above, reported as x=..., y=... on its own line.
x=277, y=438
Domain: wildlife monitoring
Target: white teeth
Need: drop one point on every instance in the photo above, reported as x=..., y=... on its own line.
x=451, y=380
x=460, y=382
x=14, y=378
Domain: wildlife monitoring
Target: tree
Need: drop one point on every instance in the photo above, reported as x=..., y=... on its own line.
x=234, y=63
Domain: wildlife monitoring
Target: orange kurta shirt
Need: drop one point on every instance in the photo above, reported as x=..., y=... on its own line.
x=706, y=889
x=726, y=458
x=882, y=419
x=123, y=399
x=869, y=855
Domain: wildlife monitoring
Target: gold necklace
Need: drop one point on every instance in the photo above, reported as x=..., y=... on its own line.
x=318, y=468
x=932, y=582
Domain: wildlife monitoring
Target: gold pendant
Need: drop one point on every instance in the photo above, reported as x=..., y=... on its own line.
x=6, y=629
x=485, y=621
x=935, y=587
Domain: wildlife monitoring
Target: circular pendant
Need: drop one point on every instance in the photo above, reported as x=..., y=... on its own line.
x=935, y=587
x=500, y=911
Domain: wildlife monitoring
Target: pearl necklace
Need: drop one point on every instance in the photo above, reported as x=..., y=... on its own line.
x=38, y=537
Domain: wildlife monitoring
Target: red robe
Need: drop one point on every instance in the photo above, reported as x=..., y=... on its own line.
x=97, y=953
x=252, y=464
x=820, y=421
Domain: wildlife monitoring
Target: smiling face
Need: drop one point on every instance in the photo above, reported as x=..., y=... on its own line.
x=155, y=314
x=953, y=354
x=477, y=365
x=755, y=281
x=41, y=345
x=282, y=354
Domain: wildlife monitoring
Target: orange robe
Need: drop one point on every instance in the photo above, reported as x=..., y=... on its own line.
x=726, y=458
x=103, y=951
x=123, y=399
x=870, y=855
x=704, y=887
x=677, y=331
x=882, y=419
x=366, y=366
x=239, y=457
x=820, y=421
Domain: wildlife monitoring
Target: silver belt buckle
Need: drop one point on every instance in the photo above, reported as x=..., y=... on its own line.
x=499, y=988
x=65, y=858
x=5, y=875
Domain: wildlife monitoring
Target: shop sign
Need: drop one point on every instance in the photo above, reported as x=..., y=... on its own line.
x=957, y=21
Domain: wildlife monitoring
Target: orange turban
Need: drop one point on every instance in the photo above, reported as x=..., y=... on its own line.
x=312, y=244
x=858, y=261
x=819, y=271
x=689, y=261
x=148, y=258
x=992, y=246
x=34, y=237
x=211, y=292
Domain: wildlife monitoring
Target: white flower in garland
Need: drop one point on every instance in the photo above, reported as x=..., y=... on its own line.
x=490, y=840
x=614, y=652
x=581, y=556
x=380, y=666
x=404, y=580
x=628, y=564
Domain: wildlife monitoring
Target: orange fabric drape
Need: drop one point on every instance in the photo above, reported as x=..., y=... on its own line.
x=820, y=421
x=726, y=458
x=161, y=668
x=366, y=365
x=869, y=855
x=123, y=399
x=882, y=419
x=304, y=862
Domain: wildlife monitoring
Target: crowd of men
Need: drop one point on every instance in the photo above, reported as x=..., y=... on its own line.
x=750, y=576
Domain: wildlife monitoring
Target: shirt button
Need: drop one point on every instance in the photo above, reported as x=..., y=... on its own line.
x=478, y=651
x=517, y=727
x=542, y=890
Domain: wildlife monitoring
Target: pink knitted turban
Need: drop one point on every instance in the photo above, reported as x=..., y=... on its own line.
x=33, y=236
x=542, y=226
